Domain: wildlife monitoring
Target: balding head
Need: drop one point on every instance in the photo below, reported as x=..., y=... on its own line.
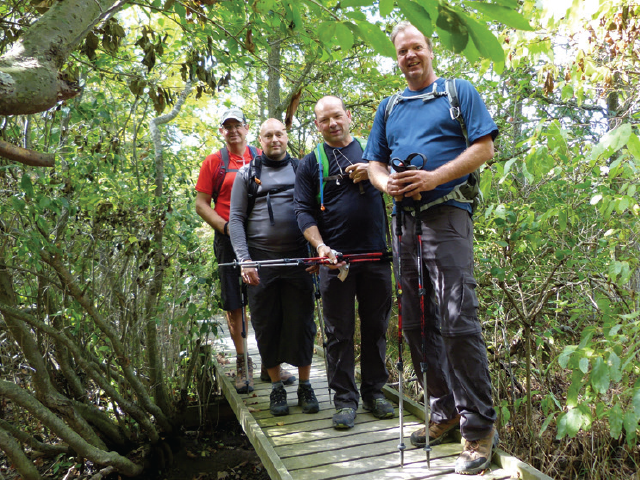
x=273, y=139
x=333, y=121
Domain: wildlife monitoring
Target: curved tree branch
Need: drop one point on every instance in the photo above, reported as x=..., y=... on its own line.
x=25, y=156
x=23, y=465
x=32, y=405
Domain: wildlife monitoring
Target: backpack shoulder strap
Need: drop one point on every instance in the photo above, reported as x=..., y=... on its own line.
x=294, y=163
x=393, y=101
x=323, y=172
x=224, y=153
x=253, y=151
x=455, y=111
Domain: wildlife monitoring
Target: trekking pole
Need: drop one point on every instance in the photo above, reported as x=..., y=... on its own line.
x=243, y=296
x=423, y=364
x=317, y=295
x=400, y=364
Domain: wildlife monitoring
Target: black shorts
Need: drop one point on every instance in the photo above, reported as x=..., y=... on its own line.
x=230, y=294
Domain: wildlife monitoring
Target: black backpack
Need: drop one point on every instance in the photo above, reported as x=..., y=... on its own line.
x=255, y=170
x=218, y=175
x=469, y=191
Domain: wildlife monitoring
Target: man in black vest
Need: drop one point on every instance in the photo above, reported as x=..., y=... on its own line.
x=263, y=227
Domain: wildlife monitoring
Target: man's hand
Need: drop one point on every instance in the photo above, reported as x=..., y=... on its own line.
x=410, y=183
x=326, y=251
x=358, y=172
x=250, y=275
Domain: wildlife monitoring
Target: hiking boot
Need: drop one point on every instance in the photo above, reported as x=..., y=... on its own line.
x=379, y=407
x=278, y=402
x=286, y=377
x=476, y=456
x=344, y=418
x=241, y=379
x=438, y=432
x=307, y=399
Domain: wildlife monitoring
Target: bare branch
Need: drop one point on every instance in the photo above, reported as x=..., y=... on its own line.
x=25, y=156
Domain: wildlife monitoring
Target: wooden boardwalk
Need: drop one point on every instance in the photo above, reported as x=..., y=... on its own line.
x=306, y=447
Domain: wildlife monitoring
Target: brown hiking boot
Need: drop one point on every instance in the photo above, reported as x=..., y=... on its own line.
x=286, y=377
x=241, y=380
x=438, y=432
x=476, y=455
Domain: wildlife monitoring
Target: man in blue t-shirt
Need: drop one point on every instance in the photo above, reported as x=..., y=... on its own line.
x=459, y=385
x=347, y=215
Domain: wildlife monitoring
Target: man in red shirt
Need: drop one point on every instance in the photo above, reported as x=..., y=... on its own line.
x=234, y=129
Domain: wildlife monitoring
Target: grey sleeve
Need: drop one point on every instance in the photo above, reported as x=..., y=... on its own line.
x=238, y=215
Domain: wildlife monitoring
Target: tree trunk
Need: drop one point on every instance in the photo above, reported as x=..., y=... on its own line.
x=30, y=78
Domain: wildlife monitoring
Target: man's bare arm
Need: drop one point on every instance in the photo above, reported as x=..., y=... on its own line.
x=410, y=182
x=208, y=214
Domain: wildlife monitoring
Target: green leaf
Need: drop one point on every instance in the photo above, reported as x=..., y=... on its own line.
x=507, y=167
x=613, y=362
x=431, y=6
x=633, y=144
x=545, y=425
x=180, y=10
x=562, y=220
x=505, y=15
x=600, y=376
x=386, y=7
x=630, y=422
x=374, y=35
x=635, y=400
x=26, y=185
x=615, y=421
x=326, y=32
x=17, y=203
x=613, y=141
x=567, y=93
x=418, y=16
x=344, y=36
x=584, y=364
x=485, y=41
x=565, y=356
x=454, y=24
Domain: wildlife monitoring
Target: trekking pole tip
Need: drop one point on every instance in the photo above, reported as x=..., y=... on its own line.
x=402, y=448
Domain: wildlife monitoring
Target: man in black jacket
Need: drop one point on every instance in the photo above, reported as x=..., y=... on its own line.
x=346, y=214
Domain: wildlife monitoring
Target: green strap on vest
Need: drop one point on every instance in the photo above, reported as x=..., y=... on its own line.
x=323, y=169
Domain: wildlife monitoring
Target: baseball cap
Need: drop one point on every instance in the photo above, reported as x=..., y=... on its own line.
x=234, y=113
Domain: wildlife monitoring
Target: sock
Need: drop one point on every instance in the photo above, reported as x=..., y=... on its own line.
x=305, y=382
x=277, y=385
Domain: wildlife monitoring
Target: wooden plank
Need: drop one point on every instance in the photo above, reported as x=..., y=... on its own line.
x=523, y=470
x=325, y=440
x=414, y=459
x=363, y=452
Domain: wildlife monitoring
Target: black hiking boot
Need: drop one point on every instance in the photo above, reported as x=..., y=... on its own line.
x=307, y=399
x=379, y=407
x=344, y=418
x=278, y=402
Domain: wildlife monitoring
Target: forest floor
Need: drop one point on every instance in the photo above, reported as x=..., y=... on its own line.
x=216, y=451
